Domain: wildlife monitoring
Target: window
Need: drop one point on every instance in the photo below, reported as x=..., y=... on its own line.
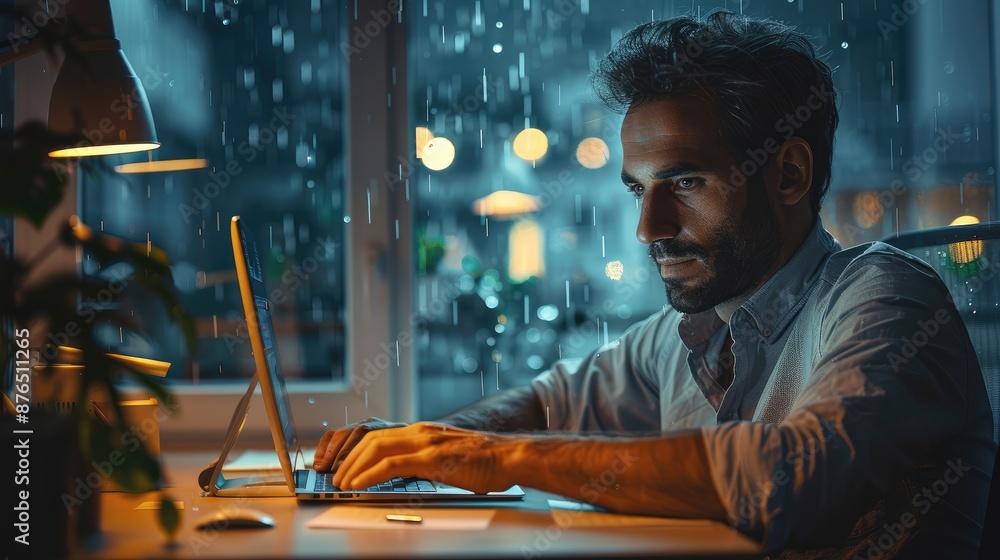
x=256, y=97
x=259, y=93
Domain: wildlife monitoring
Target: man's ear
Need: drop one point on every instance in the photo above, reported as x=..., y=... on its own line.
x=791, y=172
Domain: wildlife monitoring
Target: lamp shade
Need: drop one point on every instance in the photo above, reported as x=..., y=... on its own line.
x=97, y=96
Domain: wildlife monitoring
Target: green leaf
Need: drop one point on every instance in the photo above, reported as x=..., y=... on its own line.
x=170, y=518
x=34, y=183
x=152, y=270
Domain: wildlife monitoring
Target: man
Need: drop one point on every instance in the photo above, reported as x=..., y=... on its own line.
x=784, y=388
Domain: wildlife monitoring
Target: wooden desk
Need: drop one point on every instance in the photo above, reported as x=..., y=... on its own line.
x=518, y=530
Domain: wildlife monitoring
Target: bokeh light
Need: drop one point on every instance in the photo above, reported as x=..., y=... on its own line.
x=438, y=154
x=424, y=135
x=548, y=312
x=592, y=153
x=966, y=251
x=503, y=205
x=531, y=144
x=868, y=210
x=526, y=256
x=614, y=270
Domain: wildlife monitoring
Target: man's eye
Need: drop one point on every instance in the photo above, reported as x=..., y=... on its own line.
x=688, y=183
x=636, y=190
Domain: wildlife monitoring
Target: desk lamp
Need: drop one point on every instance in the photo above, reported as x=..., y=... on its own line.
x=96, y=97
x=97, y=103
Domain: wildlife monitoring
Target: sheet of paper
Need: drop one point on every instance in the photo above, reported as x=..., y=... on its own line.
x=373, y=517
x=156, y=505
x=255, y=460
x=569, y=514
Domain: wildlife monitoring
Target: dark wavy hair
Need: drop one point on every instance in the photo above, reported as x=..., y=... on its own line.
x=756, y=72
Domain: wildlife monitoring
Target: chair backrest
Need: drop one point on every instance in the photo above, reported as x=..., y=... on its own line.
x=968, y=260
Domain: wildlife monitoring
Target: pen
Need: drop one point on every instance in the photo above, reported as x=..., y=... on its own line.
x=404, y=518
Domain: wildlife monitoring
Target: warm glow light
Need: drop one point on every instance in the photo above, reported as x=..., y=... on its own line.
x=525, y=248
x=506, y=205
x=614, y=270
x=868, y=210
x=965, y=221
x=531, y=144
x=107, y=150
x=80, y=230
x=592, y=153
x=162, y=166
x=424, y=135
x=438, y=154
x=966, y=251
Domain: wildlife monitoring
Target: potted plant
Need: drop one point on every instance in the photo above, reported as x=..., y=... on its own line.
x=31, y=185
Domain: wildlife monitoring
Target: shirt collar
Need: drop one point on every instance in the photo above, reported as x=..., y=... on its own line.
x=695, y=329
x=772, y=307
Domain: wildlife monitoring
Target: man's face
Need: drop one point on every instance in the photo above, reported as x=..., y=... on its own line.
x=711, y=241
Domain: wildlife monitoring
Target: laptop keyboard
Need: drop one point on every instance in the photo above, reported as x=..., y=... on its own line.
x=324, y=483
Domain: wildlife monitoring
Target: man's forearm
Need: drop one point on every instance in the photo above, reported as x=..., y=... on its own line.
x=513, y=410
x=662, y=475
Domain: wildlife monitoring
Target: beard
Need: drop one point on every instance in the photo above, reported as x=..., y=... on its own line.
x=739, y=256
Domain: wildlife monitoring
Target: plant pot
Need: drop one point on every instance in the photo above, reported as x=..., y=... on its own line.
x=50, y=516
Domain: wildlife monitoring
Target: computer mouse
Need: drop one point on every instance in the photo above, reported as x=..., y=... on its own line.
x=235, y=518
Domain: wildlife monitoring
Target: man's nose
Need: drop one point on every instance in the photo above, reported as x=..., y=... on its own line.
x=657, y=220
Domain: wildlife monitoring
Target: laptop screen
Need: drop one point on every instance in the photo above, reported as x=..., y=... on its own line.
x=261, y=319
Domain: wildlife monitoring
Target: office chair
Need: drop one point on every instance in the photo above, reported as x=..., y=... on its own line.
x=968, y=260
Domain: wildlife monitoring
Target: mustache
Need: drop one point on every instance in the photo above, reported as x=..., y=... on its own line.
x=663, y=249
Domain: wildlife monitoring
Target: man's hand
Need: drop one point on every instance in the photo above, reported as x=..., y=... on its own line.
x=666, y=474
x=462, y=458
x=336, y=444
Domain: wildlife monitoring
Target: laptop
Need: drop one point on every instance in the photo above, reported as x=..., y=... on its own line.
x=295, y=479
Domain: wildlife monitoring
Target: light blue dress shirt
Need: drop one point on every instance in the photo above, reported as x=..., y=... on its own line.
x=857, y=424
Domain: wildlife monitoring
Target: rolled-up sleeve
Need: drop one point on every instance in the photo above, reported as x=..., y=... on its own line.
x=894, y=379
x=613, y=389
